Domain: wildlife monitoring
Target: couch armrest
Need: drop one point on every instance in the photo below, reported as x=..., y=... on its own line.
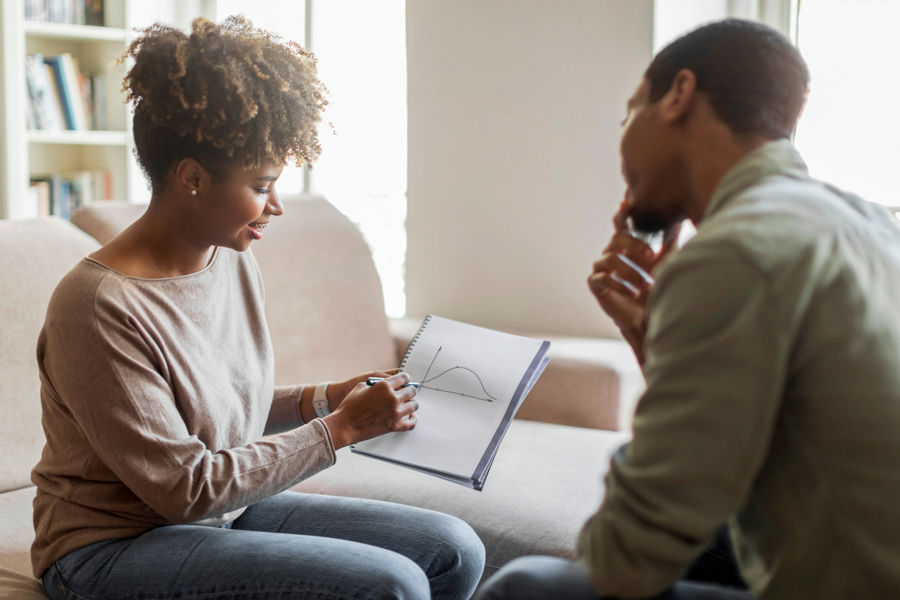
x=590, y=382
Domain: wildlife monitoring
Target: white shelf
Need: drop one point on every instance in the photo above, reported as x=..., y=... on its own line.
x=26, y=153
x=63, y=31
x=78, y=138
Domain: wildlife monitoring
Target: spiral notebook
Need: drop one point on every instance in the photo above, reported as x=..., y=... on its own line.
x=473, y=381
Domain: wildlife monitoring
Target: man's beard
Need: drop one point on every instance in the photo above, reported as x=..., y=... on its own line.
x=649, y=222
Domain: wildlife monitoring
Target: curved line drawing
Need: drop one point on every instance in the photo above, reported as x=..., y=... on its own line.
x=426, y=379
x=477, y=376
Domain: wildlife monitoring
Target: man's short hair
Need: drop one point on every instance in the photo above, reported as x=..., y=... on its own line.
x=755, y=79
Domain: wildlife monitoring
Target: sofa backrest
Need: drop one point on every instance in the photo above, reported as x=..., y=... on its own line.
x=34, y=255
x=324, y=302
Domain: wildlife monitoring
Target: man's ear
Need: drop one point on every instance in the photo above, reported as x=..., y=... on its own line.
x=191, y=177
x=678, y=102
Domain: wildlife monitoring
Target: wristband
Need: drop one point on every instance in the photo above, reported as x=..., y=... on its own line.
x=320, y=400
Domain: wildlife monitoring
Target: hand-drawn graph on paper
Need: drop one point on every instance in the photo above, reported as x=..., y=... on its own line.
x=458, y=380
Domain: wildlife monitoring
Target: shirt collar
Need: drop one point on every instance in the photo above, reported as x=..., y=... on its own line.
x=771, y=158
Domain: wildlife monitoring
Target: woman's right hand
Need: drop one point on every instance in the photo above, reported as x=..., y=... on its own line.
x=370, y=411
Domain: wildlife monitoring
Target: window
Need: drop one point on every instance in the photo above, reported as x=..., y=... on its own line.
x=361, y=51
x=361, y=48
x=849, y=129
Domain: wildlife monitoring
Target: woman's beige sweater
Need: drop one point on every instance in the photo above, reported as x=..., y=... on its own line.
x=156, y=394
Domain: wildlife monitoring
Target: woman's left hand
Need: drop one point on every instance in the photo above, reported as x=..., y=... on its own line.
x=338, y=390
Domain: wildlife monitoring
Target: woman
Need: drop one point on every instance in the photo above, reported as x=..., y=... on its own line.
x=157, y=371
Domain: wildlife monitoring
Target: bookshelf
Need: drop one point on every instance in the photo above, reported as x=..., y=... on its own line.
x=28, y=152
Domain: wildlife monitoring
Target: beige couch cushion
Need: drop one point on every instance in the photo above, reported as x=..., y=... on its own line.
x=15, y=586
x=523, y=509
x=34, y=255
x=105, y=220
x=590, y=382
x=16, y=535
x=323, y=296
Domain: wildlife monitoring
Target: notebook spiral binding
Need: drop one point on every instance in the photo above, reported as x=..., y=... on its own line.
x=413, y=341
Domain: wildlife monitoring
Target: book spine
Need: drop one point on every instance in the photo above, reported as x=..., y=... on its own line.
x=55, y=109
x=60, y=78
x=42, y=93
x=73, y=85
x=36, y=118
x=73, y=12
x=413, y=341
x=56, y=193
x=95, y=12
x=42, y=186
x=98, y=101
x=84, y=89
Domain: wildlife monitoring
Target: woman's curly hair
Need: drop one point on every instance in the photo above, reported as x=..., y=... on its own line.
x=226, y=95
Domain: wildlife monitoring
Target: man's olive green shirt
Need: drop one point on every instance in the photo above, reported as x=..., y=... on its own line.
x=772, y=400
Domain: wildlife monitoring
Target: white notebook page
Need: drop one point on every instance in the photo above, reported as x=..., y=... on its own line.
x=469, y=376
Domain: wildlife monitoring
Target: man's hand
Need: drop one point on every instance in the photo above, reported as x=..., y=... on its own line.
x=622, y=278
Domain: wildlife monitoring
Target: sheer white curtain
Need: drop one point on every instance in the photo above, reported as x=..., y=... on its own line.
x=360, y=46
x=850, y=127
x=672, y=18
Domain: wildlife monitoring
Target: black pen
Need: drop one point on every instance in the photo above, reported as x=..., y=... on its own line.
x=373, y=380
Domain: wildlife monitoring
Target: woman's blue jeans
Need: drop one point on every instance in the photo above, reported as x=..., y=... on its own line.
x=291, y=545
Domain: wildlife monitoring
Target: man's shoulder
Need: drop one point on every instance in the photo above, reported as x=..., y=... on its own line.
x=774, y=220
x=79, y=286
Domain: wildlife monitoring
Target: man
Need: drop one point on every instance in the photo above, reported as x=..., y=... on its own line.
x=770, y=349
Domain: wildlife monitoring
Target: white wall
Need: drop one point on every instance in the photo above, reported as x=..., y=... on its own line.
x=514, y=112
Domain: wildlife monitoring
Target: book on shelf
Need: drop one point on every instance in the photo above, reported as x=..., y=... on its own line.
x=59, y=194
x=471, y=381
x=65, y=70
x=60, y=96
x=43, y=98
x=30, y=117
x=73, y=12
x=97, y=95
x=38, y=204
x=55, y=99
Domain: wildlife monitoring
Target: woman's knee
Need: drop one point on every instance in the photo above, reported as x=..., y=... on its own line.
x=451, y=554
x=458, y=543
x=460, y=535
x=399, y=577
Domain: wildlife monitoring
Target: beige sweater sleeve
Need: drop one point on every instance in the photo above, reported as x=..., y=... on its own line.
x=285, y=411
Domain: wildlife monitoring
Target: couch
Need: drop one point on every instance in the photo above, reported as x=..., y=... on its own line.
x=326, y=315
